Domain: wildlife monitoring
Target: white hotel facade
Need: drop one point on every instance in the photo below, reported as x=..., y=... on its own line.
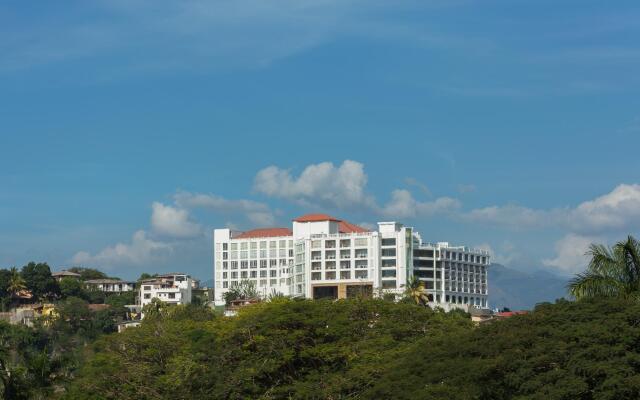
x=324, y=257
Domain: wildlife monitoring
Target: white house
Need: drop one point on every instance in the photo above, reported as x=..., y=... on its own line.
x=326, y=257
x=173, y=288
x=110, y=285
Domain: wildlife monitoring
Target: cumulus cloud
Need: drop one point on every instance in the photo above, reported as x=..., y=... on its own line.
x=619, y=209
x=341, y=186
x=174, y=222
x=256, y=212
x=141, y=251
x=615, y=211
x=513, y=216
x=571, y=253
x=403, y=205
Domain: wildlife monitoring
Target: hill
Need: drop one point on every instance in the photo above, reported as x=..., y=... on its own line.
x=517, y=290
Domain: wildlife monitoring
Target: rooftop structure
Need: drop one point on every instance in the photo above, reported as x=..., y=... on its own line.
x=110, y=285
x=172, y=288
x=64, y=274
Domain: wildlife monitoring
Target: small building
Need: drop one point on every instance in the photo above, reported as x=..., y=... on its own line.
x=58, y=276
x=234, y=305
x=173, y=288
x=110, y=285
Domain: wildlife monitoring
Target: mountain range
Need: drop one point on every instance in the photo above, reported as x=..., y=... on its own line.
x=520, y=290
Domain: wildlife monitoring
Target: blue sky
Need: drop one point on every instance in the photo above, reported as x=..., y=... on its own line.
x=129, y=129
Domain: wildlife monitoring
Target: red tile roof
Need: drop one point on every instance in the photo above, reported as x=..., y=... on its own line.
x=315, y=218
x=507, y=314
x=348, y=227
x=264, y=232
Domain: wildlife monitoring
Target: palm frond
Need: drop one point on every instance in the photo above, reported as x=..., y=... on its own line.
x=591, y=284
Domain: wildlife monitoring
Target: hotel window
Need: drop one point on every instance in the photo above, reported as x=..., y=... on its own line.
x=361, y=274
x=290, y=252
x=283, y=243
x=233, y=255
x=345, y=253
x=225, y=255
x=272, y=244
x=254, y=274
x=263, y=273
x=315, y=244
x=273, y=273
x=263, y=263
x=361, y=264
x=345, y=274
x=389, y=284
x=272, y=253
x=360, y=242
x=253, y=264
x=389, y=263
x=330, y=275
x=345, y=243
x=316, y=266
x=361, y=253
x=225, y=285
x=316, y=276
x=263, y=245
x=316, y=255
x=244, y=274
x=273, y=282
x=254, y=245
x=330, y=254
x=234, y=275
x=345, y=264
x=389, y=242
x=244, y=255
x=388, y=273
x=225, y=265
x=263, y=282
x=243, y=246
x=388, y=252
x=273, y=263
x=224, y=275
x=244, y=265
x=234, y=246
x=330, y=244
x=263, y=254
x=282, y=252
x=147, y=295
x=172, y=295
x=330, y=265
x=224, y=246
x=254, y=254
x=234, y=265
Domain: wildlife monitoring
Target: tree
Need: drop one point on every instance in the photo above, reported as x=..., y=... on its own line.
x=88, y=273
x=72, y=287
x=16, y=283
x=37, y=277
x=612, y=272
x=5, y=295
x=415, y=291
x=244, y=290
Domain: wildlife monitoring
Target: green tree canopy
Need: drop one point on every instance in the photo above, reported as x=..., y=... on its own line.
x=38, y=279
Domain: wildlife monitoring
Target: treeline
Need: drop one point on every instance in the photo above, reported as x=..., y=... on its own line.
x=35, y=283
x=369, y=349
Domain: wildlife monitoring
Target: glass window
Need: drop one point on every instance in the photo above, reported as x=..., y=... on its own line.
x=389, y=284
x=388, y=273
x=389, y=242
x=388, y=252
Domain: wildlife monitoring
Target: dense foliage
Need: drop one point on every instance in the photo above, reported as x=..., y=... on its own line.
x=370, y=349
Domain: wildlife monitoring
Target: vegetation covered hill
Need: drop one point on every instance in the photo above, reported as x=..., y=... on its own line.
x=370, y=349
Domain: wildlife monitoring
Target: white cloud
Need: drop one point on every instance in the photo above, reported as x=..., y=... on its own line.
x=141, y=251
x=173, y=222
x=513, y=216
x=403, y=205
x=256, y=212
x=617, y=210
x=571, y=253
x=342, y=187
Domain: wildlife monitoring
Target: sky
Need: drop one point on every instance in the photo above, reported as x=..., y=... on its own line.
x=130, y=129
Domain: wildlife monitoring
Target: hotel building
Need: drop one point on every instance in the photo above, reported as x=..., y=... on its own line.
x=174, y=288
x=324, y=257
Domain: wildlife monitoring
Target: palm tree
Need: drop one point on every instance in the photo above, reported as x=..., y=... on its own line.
x=612, y=272
x=415, y=291
x=16, y=283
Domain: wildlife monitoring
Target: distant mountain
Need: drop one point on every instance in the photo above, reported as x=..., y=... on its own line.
x=522, y=290
x=208, y=283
